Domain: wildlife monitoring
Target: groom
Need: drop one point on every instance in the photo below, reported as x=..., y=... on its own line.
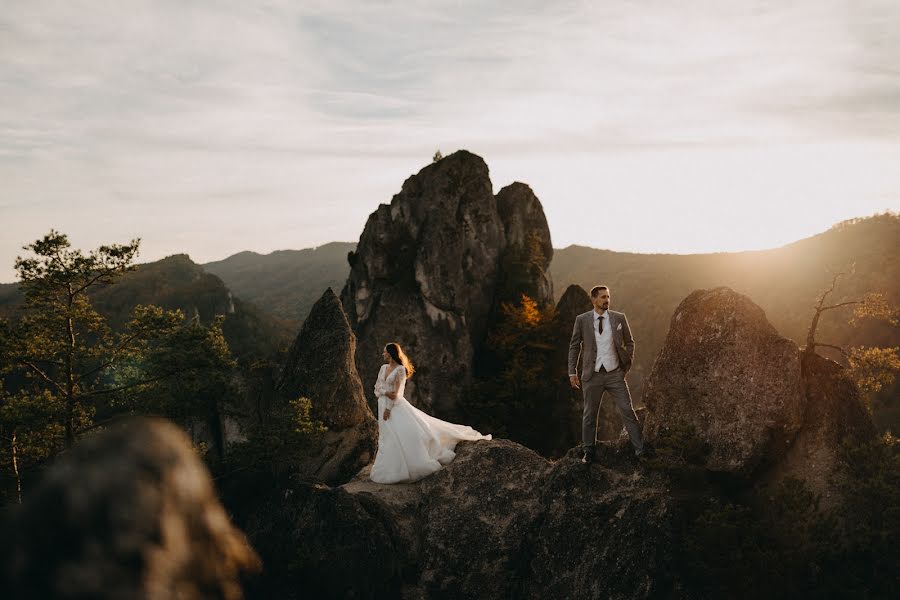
x=603, y=339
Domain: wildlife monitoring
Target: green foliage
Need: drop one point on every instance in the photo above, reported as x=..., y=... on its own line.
x=61, y=349
x=866, y=559
x=191, y=377
x=518, y=369
x=778, y=542
x=681, y=454
x=517, y=399
x=68, y=370
x=873, y=369
x=275, y=446
x=285, y=283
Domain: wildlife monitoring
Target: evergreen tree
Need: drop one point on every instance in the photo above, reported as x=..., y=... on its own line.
x=65, y=370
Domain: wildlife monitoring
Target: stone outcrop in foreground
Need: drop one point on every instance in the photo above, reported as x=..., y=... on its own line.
x=427, y=273
x=320, y=366
x=499, y=522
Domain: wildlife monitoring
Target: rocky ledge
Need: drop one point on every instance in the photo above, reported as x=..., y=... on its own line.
x=500, y=521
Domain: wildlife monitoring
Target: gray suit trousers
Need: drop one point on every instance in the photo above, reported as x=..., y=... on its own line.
x=592, y=390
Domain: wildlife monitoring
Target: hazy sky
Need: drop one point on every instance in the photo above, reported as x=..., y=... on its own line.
x=215, y=127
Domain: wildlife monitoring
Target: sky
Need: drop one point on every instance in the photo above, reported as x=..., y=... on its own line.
x=649, y=126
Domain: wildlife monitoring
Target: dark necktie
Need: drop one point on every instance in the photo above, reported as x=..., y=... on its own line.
x=600, y=324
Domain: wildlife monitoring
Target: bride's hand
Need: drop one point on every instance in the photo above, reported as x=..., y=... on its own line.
x=387, y=414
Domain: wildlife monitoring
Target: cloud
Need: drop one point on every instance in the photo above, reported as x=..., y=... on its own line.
x=242, y=112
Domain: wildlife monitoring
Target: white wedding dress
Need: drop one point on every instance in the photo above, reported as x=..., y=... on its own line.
x=411, y=443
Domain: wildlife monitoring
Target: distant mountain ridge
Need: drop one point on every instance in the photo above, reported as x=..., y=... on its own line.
x=176, y=282
x=784, y=281
x=285, y=283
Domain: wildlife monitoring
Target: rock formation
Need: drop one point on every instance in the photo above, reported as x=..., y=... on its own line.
x=834, y=413
x=767, y=410
x=498, y=522
x=525, y=260
x=320, y=366
x=425, y=273
x=574, y=301
x=725, y=371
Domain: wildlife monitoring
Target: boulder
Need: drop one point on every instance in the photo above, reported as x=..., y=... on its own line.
x=425, y=274
x=321, y=542
x=834, y=414
x=726, y=372
x=606, y=532
x=475, y=518
x=320, y=366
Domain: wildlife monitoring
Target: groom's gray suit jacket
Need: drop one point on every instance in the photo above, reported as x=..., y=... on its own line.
x=583, y=343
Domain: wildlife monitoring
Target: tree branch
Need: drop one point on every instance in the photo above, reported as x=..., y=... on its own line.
x=107, y=272
x=829, y=290
x=58, y=363
x=838, y=348
x=104, y=422
x=126, y=387
x=824, y=308
x=43, y=375
x=118, y=349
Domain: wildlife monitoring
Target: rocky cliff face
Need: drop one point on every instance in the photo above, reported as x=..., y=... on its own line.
x=320, y=366
x=425, y=273
x=525, y=260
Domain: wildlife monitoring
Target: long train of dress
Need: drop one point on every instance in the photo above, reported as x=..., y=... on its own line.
x=411, y=443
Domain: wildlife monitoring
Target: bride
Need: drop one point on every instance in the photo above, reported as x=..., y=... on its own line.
x=411, y=443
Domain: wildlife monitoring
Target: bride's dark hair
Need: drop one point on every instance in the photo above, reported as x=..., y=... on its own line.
x=396, y=353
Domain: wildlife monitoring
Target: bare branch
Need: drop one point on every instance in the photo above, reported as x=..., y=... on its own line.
x=827, y=292
x=824, y=308
x=43, y=375
x=106, y=272
x=838, y=348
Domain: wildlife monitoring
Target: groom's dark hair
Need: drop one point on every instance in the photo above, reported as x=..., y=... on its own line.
x=596, y=290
